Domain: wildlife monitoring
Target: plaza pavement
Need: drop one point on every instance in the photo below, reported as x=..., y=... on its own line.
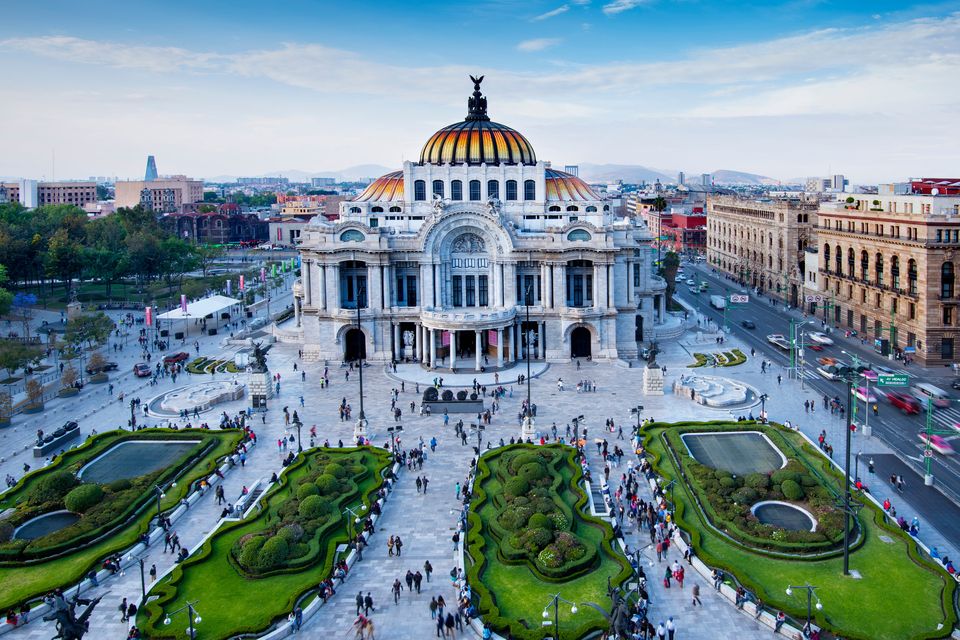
x=426, y=522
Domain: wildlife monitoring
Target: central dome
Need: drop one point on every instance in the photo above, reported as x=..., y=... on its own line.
x=477, y=140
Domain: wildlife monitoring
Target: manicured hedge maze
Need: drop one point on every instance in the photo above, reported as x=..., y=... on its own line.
x=112, y=515
x=529, y=538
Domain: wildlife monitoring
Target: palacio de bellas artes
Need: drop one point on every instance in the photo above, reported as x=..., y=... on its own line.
x=473, y=251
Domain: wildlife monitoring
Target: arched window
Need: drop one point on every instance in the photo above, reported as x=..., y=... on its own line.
x=591, y=209
x=376, y=210
x=438, y=188
x=912, y=277
x=554, y=208
x=864, y=266
x=851, y=262
x=839, y=261
x=511, y=189
x=456, y=190
x=474, y=189
x=946, y=280
x=351, y=235
x=573, y=208
x=529, y=190
x=826, y=257
x=895, y=272
x=354, y=209
x=578, y=235
x=606, y=207
x=493, y=189
x=419, y=190
x=878, y=268
x=395, y=209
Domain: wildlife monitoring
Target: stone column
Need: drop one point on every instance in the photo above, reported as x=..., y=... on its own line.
x=478, y=341
x=599, y=295
x=493, y=290
x=424, y=339
x=560, y=286
x=374, y=287
x=540, y=335
x=333, y=290
x=308, y=283
x=426, y=287
x=433, y=349
x=499, y=347
x=663, y=307
x=549, y=287
x=453, y=349
x=296, y=308
x=629, y=282
x=396, y=341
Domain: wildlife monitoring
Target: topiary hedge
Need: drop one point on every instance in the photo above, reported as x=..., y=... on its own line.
x=83, y=497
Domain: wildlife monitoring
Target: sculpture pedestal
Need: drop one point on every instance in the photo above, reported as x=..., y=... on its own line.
x=528, y=429
x=653, y=381
x=260, y=388
x=360, y=429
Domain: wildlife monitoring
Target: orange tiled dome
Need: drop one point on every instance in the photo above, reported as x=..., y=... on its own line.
x=562, y=186
x=386, y=188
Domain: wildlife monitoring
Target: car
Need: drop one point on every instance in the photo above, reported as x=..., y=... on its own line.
x=938, y=443
x=826, y=360
x=644, y=353
x=106, y=366
x=748, y=324
x=704, y=286
x=691, y=282
x=814, y=347
x=820, y=338
x=906, y=403
x=865, y=395
x=831, y=371
x=173, y=358
x=955, y=384
x=142, y=370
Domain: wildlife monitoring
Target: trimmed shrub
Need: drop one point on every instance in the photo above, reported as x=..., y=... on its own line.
x=335, y=470
x=461, y=395
x=327, y=484
x=274, y=553
x=292, y=532
x=430, y=394
x=53, y=487
x=313, y=507
x=516, y=486
x=118, y=485
x=6, y=531
x=539, y=521
x=778, y=477
x=306, y=490
x=807, y=480
x=744, y=495
x=728, y=482
x=532, y=471
x=791, y=490
x=447, y=395
x=83, y=497
x=251, y=552
x=757, y=481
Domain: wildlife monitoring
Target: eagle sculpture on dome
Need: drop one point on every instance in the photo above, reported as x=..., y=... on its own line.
x=477, y=104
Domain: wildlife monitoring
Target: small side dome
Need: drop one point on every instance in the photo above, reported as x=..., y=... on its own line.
x=386, y=188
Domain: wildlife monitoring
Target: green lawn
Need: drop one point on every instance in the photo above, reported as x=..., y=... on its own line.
x=231, y=602
x=511, y=596
x=21, y=581
x=893, y=576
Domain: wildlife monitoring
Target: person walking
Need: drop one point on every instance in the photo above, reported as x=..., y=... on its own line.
x=153, y=572
x=409, y=580
x=417, y=579
x=433, y=608
x=456, y=540
x=671, y=628
x=390, y=544
x=695, y=591
x=427, y=569
x=123, y=610
x=398, y=544
x=359, y=601
x=396, y=589
x=368, y=604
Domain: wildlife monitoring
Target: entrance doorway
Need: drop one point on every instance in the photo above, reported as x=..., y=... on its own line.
x=580, y=343
x=354, y=345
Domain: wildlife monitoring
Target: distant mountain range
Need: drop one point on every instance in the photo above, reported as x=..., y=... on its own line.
x=350, y=174
x=639, y=173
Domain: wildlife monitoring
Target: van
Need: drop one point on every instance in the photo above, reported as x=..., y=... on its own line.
x=924, y=391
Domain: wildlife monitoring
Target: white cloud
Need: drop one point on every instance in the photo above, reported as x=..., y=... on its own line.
x=619, y=6
x=555, y=12
x=537, y=44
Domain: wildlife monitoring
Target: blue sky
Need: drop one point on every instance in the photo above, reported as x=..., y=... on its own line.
x=786, y=89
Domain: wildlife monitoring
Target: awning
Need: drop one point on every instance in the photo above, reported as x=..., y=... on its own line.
x=200, y=308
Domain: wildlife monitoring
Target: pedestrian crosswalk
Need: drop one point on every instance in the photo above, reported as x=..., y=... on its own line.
x=947, y=417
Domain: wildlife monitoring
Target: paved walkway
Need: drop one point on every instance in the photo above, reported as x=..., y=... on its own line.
x=508, y=375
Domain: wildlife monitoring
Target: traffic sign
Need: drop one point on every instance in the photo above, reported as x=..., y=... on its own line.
x=928, y=453
x=893, y=380
x=737, y=298
x=816, y=298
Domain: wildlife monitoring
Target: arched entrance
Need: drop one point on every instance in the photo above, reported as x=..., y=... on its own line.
x=354, y=345
x=580, y=343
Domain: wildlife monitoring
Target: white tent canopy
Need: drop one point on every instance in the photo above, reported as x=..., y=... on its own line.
x=201, y=308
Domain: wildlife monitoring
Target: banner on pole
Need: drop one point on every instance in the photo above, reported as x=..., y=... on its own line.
x=229, y=283
x=148, y=312
x=183, y=303
x=241, y=283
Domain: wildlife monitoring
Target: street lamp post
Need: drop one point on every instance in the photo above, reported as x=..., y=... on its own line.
x=355, y=520
x=298, y=425
x=763, y=407
x=637, y=411
x=143, y=582
x=810, y=595
x=361, y=426
x=555, y=601
x=192, y=617
x=846, y=478
x=576, y=429
x=160, y=495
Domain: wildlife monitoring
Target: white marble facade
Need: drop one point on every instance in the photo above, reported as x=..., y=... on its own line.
x=461, y=259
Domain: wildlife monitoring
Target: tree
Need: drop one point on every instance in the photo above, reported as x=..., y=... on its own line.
x=206, y=255
x=23, y=303
x=6, y=298
x=34, y=392
x=668, y=269
x=178, y=258
x=68, y=377
x=97, y=362
x=15, y=355
x=64, y=259
x=89, y=328
x=6, y=406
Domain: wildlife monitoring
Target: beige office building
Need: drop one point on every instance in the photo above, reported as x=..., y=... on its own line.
x=761, y=243
x=887, y=270
x=164, y=195
x=42, y=193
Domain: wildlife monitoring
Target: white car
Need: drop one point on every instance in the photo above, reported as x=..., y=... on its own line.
x=821, y=338
x=691, y=282
x=830, y=371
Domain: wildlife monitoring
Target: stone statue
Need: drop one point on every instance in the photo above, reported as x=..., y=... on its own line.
x=69, y=625
x=477, y=104
x=259, y=357
x=469, y=243
x=493, y=206
x=438, y=204
x=407, y=339
x=652, y=360
x=619, y=615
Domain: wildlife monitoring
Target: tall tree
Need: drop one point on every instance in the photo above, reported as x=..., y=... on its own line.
x=64, y=259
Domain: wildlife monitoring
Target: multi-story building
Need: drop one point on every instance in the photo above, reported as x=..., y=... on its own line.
x=477, y=251
x=761, y=242
x=163, y=195
x=31, y=193
x=888, y=269
x=686, y=231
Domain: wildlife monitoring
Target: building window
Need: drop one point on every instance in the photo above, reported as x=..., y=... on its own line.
x=948, y=316
x=878, y=261
x=493, y=189
x=946, y=348
x=912, y=311
x=946, y=280
x=471, y=291
x=912, y=277
x=456, y=190
x=895, y=273
x=376, y=210
x=529, y=190
x=419, y=190
x=482, y=291
x=438, y=188
x=865, y=266
x=374, y=223
x=511, y=189
x=636, y=275
x=474, y=189
x=457, y=291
